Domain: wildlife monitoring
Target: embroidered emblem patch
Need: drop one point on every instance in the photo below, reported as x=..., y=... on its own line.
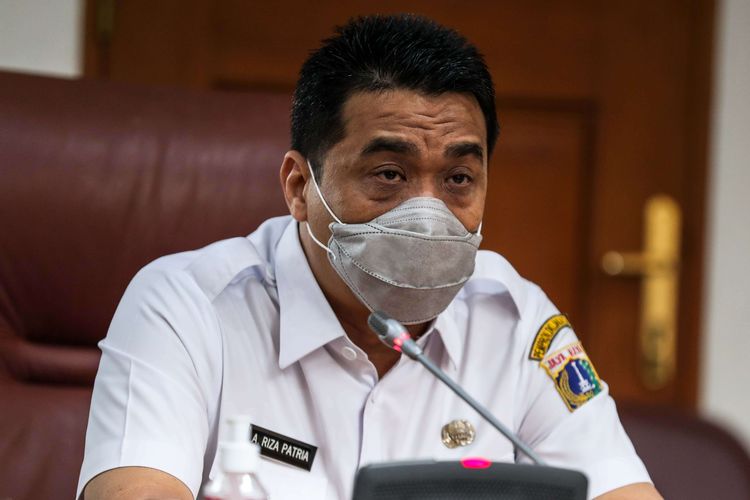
x=546, y=335
x=575, y=377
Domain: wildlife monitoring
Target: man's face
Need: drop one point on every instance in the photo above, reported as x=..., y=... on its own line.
x=402, y=144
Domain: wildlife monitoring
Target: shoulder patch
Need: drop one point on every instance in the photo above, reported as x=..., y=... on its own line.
x=546, y=334
x=574, y=375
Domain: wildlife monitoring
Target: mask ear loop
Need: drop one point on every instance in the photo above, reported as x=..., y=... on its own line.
x=317, y=242
x=479, y=229
x=307, y=224
x=320, y=195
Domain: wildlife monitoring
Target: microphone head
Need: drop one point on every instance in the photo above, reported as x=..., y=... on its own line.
x=378, y=322
x=393, y=334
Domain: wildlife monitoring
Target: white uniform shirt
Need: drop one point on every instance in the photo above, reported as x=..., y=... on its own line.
x=242, y=327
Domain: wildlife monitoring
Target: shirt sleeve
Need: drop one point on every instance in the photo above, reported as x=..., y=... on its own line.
x=565, y=432
x=157, y=388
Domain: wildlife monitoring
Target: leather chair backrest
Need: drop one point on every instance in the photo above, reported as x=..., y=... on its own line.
x=688, y=457
x=96, y=180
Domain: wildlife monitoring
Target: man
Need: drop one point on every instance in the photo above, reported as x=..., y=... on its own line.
x=393, y=123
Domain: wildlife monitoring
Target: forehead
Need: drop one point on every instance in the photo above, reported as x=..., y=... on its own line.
x=425, y=119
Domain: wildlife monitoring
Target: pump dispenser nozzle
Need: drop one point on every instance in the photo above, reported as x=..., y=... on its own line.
x=239, y=461
x=236, y=453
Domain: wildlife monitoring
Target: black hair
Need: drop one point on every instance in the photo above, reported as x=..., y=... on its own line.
x=377, y=53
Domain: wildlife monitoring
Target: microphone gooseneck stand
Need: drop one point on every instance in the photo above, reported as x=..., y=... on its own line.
x=394, y=335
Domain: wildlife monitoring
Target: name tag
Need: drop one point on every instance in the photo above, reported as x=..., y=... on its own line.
x=283, y=448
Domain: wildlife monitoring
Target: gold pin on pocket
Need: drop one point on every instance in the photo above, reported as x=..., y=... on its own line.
x=457, y=433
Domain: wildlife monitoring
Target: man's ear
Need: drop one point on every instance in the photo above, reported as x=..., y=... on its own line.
x=294, y=176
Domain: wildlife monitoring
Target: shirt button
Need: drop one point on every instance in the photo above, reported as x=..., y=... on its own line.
x=349, y=353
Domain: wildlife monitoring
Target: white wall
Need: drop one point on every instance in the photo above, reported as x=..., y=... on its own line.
x=41, y=36
x=725, y=387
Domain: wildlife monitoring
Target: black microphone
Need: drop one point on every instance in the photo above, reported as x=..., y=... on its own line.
x=396, y=336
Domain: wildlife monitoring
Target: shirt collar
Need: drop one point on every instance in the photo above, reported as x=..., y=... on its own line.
x=451, y=336
x=494, y=275
x=306, y=320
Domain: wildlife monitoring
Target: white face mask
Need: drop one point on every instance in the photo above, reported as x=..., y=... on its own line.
x=409, y=262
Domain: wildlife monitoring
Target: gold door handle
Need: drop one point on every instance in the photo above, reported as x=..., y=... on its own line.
x=658, y=265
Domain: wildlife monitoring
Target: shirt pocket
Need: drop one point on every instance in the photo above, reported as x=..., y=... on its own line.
x=285, y=482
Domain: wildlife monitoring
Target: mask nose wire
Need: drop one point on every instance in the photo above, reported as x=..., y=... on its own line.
x=307, y=224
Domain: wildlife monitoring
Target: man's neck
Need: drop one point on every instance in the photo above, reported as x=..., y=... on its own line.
x=350, y=312
x=382, y=357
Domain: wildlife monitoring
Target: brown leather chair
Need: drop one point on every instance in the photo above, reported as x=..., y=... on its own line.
x=96, y=180
x=688, y=457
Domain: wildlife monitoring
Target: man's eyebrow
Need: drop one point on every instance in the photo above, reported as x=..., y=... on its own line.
x=391, y=145
x=464, y=149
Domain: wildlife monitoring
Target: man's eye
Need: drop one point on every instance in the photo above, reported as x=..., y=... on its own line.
x=390, y=175
x=460, y=179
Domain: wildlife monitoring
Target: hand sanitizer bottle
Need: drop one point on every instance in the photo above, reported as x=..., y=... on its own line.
x=239, y=460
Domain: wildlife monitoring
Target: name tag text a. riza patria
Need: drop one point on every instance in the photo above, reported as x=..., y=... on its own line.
x=283, y=448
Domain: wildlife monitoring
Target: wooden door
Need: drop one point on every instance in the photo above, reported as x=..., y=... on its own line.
x=601, y=104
